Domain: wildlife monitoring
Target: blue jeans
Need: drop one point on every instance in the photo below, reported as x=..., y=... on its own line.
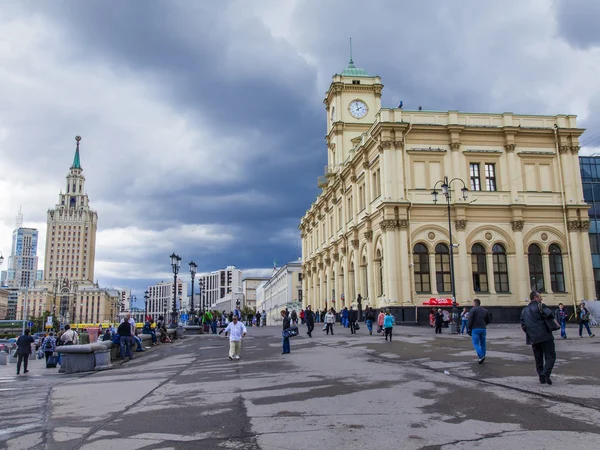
x=563, y=327
x=125, y=343
x=286, y=345
x=138, y=341
x=478, y=338
x=464, y=326
x=214, y=327
x=370, y=325
x=587, y=327
x=153, y=335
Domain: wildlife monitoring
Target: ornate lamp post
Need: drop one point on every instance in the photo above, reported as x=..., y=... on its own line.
x=175, y=264
x=193, y=268
x=447, y=191
x=146, y=297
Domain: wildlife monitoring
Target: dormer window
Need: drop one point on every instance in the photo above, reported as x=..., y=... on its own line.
x=355, y=81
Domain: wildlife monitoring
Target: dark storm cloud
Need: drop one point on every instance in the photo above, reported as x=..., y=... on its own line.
x=578, y=22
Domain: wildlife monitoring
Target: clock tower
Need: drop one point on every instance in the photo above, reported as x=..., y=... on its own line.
x=352, y=102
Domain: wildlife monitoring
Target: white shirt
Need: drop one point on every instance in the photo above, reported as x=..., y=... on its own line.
x=235, y=331
x=329, y=318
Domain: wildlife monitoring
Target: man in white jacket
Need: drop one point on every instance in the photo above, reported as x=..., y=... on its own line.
x=236, y=330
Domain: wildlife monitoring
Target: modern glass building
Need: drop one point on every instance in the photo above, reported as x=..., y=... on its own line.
x=590, y=176
x=23, y=261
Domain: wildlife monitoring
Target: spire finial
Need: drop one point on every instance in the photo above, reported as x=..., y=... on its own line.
x=76, y=161
x=351, y=62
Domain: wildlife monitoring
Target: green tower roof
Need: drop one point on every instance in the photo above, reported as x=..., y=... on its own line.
x=353, y=71
x=76, y=161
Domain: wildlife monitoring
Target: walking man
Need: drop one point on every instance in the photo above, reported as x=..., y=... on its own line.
x=24, y=350
x=285, y=338
x=476, y=328
x=533, y=322
x=310, y=320
x=352, y=318
x=236, y=330
x=562, y=317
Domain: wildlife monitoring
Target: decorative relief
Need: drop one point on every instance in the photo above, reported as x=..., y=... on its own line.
x=365, y=164
x=573, y=225
x=386, y=144
x=377, y=90
x=327, y=262
x=544, y=237
x=343, y=250
x=403, y=223
x=388, y=224
x=517, y=225
x=320, y=266
x=510, y=148
x=455, y=145
x=336, y=257
x=353, y=178
x=564, y=149
x=431, y=236
x=314, y=269
x=584, y=225
x=488, y=236
x=354, y=243
x=460, y=224
x=399, y=144
x=369, y=235
x=575, y=149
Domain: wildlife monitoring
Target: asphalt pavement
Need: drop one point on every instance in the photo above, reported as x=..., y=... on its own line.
x=421, y=391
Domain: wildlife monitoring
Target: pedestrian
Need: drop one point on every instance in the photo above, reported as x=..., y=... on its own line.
x=329, y=320
x=478, y=321
x=539, y=336
x=236, y=331
x=380, y=321
x=49, y=345
x=69, y=337
x=302, y=316
x=318, y=316
x=352, y=318
x=432, y=317
x=370, y=316
x=446, y=318
x=464, y=316
x=147, y=329
x=84, y=337
x=24, y=350
x=285, y=339
x=439, y=321
x=562, y=317
x=138, y=341
x=107, y=336
x=309, y=318
x=250, y=317
x=125, y=339
x=344, y=316
x=294, y=317
x=584, y=321
x=388, y=323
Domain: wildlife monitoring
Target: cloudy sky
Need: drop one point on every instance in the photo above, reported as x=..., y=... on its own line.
x=203, y=123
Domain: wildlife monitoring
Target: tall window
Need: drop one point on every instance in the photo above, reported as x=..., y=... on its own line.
x=557, y=275
x=376, y=189
x=442, y=268
x=536, y=269
x=490, y=176
x=479, y=268
x=500, y=268
x=421, y=259
x=475, y=179
x=340, y=218
x=380, y=284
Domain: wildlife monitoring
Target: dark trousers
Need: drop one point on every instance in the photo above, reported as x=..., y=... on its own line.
x=286, y=345
x=352, y=326
x=22, y=359
x=329, y=328
x=388, y=332
x=438, y=329
x=311, y=327
x=544, y=351
x=47, y=355
x=585, y=324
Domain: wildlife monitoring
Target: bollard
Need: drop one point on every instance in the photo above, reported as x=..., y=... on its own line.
x=3, y=358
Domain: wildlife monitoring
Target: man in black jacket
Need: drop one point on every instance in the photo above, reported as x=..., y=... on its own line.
x=352, y=318
x=541, y=339
x=24, y=350
x=310, y=320
x=477, y=328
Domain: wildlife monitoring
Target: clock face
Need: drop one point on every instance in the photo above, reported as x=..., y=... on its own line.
x=358, y=109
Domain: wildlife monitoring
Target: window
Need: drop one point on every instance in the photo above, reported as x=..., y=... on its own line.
x=479, y=268
x=340, y=217
x=490, y=176
x=557, y=275
x=475, y=180
x=376, y=184
x=536, y=270
x=442, y=268
x=500, y=268
x=421, y=269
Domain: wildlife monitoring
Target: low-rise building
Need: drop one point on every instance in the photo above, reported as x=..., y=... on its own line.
x=3, y=304
x=249, y=285
x=283, y=290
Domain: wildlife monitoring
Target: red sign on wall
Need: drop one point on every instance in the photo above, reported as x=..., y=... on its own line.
x=439, y=302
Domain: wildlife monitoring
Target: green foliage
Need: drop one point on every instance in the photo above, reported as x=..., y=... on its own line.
x=247, y=310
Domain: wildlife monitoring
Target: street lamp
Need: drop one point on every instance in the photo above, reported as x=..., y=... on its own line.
x=146, y=297
x=175, y=264
x=193, y=268
x=1, y=258
x=447, y=191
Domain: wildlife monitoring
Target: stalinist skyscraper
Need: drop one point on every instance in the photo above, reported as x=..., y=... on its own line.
x=71, y=231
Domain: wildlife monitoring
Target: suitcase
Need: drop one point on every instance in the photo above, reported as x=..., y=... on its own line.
x=52, y=362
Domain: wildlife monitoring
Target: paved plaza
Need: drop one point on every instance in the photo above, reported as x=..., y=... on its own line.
x=421, y=391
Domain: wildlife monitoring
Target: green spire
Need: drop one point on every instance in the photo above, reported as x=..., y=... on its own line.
x=352, y=70
x=76, y=162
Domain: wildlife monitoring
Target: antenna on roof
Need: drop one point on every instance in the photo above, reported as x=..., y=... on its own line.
x=19, y=221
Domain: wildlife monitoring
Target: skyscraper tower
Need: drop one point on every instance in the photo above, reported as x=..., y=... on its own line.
x=71, y=231
x=23, y=261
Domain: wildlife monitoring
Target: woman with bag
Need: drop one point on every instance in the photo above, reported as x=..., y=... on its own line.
x=584, y=320
x=380, y=320
x=286, y=326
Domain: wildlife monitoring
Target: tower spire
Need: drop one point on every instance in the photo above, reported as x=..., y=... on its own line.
x=19, y=220
x=76, y=161
x=351, y=63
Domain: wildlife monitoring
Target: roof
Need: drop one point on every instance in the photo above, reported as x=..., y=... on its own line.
x=353, y=71
x=76, y=162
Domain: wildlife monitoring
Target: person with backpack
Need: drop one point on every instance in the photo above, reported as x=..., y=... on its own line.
x=69, y=337
x=584, y=321
x=49, y=345
x=370, y=318
x=294, y=317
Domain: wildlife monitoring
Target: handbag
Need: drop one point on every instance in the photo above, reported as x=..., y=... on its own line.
x=290, y=332
x=357, y=327
x=550, y=322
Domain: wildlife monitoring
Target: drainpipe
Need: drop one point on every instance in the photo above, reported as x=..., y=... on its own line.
x=564, y=208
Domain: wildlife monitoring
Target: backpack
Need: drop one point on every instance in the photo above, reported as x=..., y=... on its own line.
x=48, y=343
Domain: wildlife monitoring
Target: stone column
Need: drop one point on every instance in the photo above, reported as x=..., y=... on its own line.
x=455, y=162
x=577, y=289
x=588, y=270
x=576, y=177
x=546, y=268
x=489, y=262
x=513, y=172
x=405, y=285
x=432, y=280
x=387, y=169
x=565, y=160
x=462, y=264
x=400, y=169
x=304, y=287
x=519, y=274
x=390, y=270
x=367, y=185
x=346, y=281
x=371, y=291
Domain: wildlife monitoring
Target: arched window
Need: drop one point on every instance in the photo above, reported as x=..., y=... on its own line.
x=479, y=268
x=500, y=268
x=536, y=269
x=442, y=269
x=421, y=269
x=557, y=275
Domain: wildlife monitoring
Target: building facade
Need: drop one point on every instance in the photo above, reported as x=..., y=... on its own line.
x=23, y=261
x=283, y=290
x=590, y=176
x=375, y=230
x=216, y=285
x=249, y=285
x=4, y=304
x=160, y=301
